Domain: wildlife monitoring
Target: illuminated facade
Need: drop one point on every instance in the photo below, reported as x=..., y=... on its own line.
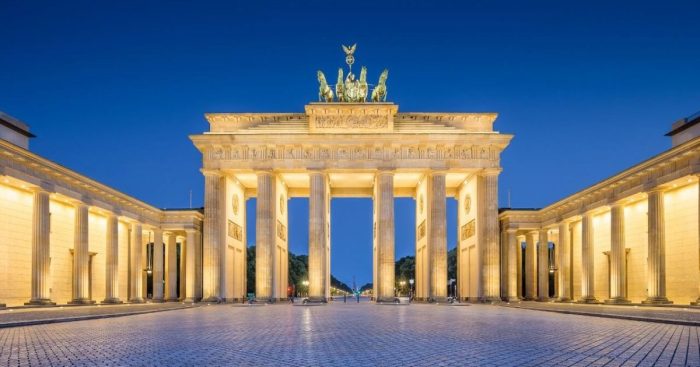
x=350, y=150
x=632, y=238
x=65, y=238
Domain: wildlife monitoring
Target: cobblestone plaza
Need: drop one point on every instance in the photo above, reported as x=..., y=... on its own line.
x=352, y=334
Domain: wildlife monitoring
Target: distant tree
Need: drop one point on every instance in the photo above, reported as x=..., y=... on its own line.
x=250, y=258
x=405, y=269
x=452, y=264
x=298, y=272
x=367, y=286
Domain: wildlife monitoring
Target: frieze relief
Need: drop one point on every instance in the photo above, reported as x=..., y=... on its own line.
x=352, y=122
x=354, y=152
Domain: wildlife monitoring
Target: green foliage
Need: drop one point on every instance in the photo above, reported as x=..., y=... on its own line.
x=452, y=264
x=298, y=265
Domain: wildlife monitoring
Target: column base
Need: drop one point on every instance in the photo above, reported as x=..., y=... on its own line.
x=2, y=305
x=617, y=301
x=157, y=300
x=512, y=299
x=491, y=300
x=189, y=300
x=543, y=299
x=315, y=300
x=656, y=301
x=388, y=300
x=137, y=300
x=563, y=300
x=529, y=298
x=588, y=300
x=112, y=301
x=172, y=300
x=212, y=299
x=40, y=302
x=81, y=302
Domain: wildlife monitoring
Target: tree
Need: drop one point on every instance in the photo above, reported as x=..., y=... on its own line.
x=452, y=264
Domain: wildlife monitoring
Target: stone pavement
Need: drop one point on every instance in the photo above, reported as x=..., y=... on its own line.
x=672, y=315
x=351, y=334
x=32, y=315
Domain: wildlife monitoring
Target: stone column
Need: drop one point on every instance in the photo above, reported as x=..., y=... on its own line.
x=171, y=268
x=543, y=266
x=513, y=248
x=81, y=257
x=265, y=237
x=437, y=236
x=384, y=219
x=135, y=263
x=112, y=261
x=656, y=255
x=564, y=271
x=211, y=256
x=618, y=263
x=190, y=266
x=317, y=237
x=697, y=302
x=198, y=266
x=530, y=266
x=157, y=265
x=492, y=252
x=587, y=260
x=40, y=249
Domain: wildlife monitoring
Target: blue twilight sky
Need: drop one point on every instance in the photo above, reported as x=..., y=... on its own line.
x=112, y=89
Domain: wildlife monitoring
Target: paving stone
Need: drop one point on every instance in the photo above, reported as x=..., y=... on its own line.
x=352, y=335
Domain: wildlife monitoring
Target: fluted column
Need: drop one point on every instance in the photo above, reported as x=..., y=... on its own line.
x=564, y=255
x=158, y=265
x=656, y=255
x=190, y=265
x=81, y=257
x=136, y=290
x=543, y=266
x=530, y=267
x=40, y=249
x=171, y=268
x=213, y=225
x=265, y=237
x=384, y=219
x=618, y=263
x=437, y=236
x=587, y=260
x=198, y=274
x=112, y=261
x=317, y=236
x=697, y=302
x=491, y=291
x=513, y=248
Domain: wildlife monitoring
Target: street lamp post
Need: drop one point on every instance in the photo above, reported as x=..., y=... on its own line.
x=410, y=292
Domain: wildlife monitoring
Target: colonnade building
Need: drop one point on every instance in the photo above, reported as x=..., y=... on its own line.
x=632, y=238
x=67, y=239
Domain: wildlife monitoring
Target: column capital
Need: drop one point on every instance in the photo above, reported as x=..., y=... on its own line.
x=211, y=172
x=490, y=172
x=384, y=171
x=436, y=172
x=43, y=186
x=511, y=230
x=191, y=231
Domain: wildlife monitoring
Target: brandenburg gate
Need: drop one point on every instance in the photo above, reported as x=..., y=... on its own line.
x=348, y=146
